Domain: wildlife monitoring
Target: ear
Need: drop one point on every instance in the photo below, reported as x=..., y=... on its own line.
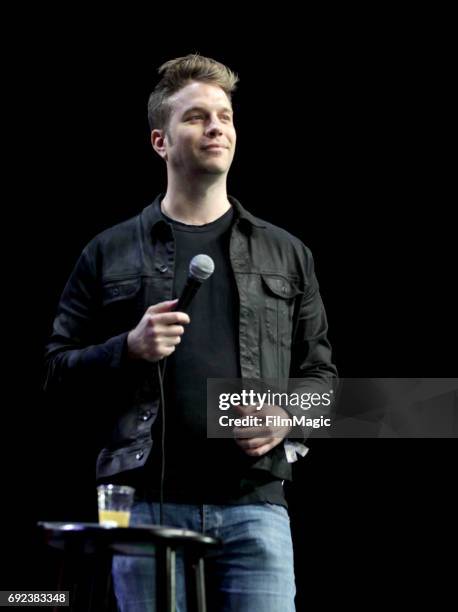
x=158, y=141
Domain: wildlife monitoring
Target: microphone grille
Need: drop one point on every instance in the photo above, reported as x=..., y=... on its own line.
x=201, y=267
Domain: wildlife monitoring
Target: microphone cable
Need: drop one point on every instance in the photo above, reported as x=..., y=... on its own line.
x=161, y=375
x=201, y=268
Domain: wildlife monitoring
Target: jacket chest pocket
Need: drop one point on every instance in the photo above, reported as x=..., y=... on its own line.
x=279, y=293
x=122, y=305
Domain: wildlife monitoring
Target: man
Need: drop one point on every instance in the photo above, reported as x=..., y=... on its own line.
x=259, y=315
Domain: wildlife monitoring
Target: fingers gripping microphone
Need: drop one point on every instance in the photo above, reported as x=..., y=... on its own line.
x=201, y=267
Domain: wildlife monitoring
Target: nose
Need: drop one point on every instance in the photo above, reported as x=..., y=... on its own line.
x=214, y=127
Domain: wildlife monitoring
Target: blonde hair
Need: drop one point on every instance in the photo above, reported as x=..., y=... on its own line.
x=177, y=73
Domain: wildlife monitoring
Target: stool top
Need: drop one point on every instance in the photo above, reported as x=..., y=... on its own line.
x=139, y=540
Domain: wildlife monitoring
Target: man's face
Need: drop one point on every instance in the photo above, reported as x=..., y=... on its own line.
x=200, y=137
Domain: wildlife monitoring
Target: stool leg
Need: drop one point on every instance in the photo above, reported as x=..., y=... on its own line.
x=166, y=579
x=200, y=586
x=101, y=582
x=70, y=577
x=195, y=583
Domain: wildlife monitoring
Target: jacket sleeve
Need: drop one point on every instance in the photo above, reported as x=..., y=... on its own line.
x=311, y=354
x=73, y=356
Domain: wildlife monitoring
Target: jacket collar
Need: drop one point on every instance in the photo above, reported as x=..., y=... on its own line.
x=244, y=215
x=153, y=220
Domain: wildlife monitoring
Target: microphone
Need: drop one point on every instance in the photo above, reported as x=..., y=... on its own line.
x=201, y=267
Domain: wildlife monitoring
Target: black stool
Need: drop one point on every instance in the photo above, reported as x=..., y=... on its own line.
x=79, y=539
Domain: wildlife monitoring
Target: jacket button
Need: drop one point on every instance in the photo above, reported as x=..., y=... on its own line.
x=146, y=415
x=139, y=455
x=163, y=268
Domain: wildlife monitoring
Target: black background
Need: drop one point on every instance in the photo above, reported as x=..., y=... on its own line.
x=344, y=139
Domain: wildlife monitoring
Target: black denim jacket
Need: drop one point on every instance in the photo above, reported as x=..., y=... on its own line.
x=129, y=267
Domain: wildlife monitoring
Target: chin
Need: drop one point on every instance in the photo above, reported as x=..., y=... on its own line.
x=214, y=168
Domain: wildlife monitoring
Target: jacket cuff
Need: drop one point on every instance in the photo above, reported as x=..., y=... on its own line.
x=115, y=351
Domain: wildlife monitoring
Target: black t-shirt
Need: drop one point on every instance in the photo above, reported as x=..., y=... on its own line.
x=198, y=469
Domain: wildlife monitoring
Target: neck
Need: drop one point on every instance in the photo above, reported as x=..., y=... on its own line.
x=195, y=204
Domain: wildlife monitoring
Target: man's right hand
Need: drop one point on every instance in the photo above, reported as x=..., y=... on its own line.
x=158, y=332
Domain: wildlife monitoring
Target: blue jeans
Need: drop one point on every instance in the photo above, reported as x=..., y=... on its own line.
x=252, y=572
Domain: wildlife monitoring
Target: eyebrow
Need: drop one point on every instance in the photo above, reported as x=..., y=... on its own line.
x=224, y=109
